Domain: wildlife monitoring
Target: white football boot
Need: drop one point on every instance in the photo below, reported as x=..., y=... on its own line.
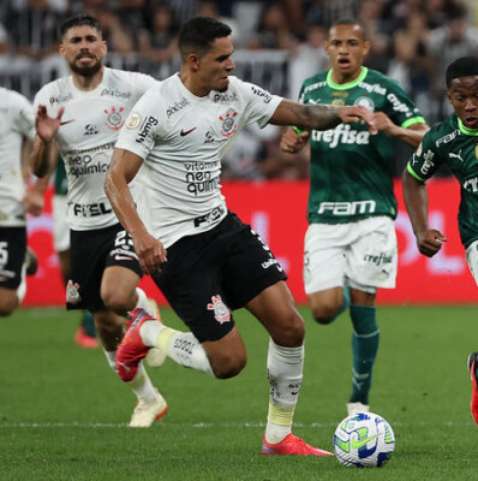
x=145, y=413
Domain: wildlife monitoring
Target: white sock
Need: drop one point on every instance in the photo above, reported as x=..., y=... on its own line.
x=22, y=288
x=141, y=384
x=111, y=359
x=143, y=387
x=142, y=302
x=182, y=347
x=284, y=369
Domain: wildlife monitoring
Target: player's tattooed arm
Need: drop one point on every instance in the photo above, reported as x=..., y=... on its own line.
x=43, y=157
x=320, y=117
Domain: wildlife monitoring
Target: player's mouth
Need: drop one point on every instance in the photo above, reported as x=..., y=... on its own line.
x=344, y=62
x=471, y=121
x=85, y=57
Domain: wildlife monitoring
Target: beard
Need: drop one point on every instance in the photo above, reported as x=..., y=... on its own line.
x=86, y=70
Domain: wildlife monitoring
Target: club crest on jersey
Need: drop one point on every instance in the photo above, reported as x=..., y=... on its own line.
x=134, y=121
x=114, y=119
x=228, y=120
x=365, y=102
x=222, y=314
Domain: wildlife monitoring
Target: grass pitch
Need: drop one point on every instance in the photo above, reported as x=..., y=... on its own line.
x=63, y=414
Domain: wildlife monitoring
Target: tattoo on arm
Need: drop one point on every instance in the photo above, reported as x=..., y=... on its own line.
x=319, y=117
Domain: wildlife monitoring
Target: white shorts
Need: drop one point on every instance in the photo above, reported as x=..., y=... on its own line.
x=61, y=230
x=362, y=255
x=472, y=259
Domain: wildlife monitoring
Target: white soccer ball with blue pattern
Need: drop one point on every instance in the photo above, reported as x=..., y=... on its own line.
x=364, y=440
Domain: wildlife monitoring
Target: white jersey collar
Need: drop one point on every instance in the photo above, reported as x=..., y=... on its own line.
x=77, y=91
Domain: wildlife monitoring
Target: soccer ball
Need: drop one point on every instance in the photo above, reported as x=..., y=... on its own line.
x=364, y=440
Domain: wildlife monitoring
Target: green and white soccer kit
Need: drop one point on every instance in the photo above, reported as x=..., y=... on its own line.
x=351, y=238
x=455, y=145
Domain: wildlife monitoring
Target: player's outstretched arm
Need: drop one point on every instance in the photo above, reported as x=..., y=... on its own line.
x=124, y=167
x=44, y=148
x=429, y=241
x=320, y=117
x=412, y=135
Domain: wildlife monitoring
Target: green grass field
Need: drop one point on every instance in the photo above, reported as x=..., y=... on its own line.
x=63, y=413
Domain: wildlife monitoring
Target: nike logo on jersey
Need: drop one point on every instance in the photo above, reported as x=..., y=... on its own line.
x=187, y=132
x=65, y=122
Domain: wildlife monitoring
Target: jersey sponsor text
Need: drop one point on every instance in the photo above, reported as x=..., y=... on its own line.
x=342, y=134
x=348, y=208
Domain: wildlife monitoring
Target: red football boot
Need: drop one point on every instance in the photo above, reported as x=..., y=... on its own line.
x=292, y=445
x=132, y=349
x=472, y=362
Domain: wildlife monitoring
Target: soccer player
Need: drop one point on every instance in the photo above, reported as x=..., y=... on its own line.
x=350, y=247
x=85, y=335
x=16, y=131
x=79, y=117
x=452, y=142
x=203, y=258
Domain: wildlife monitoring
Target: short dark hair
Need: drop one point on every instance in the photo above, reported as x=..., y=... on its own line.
x=78, y=21
x=197, y=35
x=457, y=11
x=349, y=21
x=461, y=67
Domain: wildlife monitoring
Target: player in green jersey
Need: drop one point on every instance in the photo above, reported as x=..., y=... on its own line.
x=85, y=335
x=350, y=245
x=453, y=142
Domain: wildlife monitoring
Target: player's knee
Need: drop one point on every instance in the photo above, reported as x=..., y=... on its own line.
x=8, y=305
x=292, y=331
x=115, y=300
x=227, y=366
x=325, y=313
x=6, y=311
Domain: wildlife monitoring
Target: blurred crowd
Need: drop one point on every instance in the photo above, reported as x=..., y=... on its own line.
x=279, y=43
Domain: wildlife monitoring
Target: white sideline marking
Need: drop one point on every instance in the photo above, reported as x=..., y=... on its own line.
x=247, y=424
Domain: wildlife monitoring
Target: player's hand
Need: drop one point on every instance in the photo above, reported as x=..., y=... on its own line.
x=46, y=126
x=150, y=251
x=292, y=142
x=430, y=242
x=383, y=123
x=34, y=202
x=355, y=113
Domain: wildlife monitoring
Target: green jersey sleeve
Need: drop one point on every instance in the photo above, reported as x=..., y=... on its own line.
x=400, y=108
x=426, y=160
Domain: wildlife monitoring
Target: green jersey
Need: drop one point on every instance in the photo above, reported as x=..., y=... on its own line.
x=351, y=174
x=61, y=182
x=453, y=144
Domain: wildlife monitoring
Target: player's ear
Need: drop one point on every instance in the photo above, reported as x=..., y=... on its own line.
x=61, y=48
x=450, y=98
x=104, y=47
x=193, y=61
x=366, y=47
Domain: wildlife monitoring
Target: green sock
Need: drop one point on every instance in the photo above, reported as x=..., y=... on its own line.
x=365, y=339
x=88, y=323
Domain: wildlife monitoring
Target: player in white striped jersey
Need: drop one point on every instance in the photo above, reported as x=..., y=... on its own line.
x=79, y=117
x=214, y=263
x=16, y=131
